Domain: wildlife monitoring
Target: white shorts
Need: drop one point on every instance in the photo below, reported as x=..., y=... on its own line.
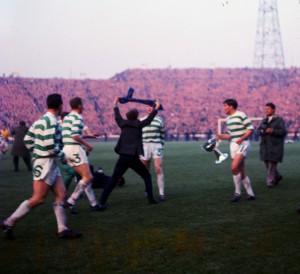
x=46, y=169
x=4, y=144
x=243, y=148
x=152, y=150
x=75, y=154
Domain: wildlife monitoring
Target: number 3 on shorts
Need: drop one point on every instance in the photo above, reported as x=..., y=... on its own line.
x=76, y=158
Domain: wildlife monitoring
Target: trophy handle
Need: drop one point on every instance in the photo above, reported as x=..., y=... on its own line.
x=220, y=156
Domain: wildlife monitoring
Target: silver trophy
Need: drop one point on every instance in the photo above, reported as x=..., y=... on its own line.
x=212, y=145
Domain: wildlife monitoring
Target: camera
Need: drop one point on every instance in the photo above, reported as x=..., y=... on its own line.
x=264, y=126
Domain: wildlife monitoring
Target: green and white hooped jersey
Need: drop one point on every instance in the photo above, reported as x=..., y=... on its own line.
x=154, y=132
x=44, y=138
x=237, y=125
x=72, y=126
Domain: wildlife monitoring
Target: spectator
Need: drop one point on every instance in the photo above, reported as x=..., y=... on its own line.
x=208, y=134
x=272, y=131
x=296, y=138
x=19, y=149
x=5, y=135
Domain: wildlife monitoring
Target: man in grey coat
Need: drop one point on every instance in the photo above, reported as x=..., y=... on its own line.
x=272, y=131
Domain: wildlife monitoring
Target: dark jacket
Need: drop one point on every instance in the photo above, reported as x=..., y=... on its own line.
x=130, y=141
x=18, y=148
x=272, y=145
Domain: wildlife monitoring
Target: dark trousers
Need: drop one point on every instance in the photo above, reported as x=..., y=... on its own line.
x=124, y=162
x=273, y=174
x=26, y=160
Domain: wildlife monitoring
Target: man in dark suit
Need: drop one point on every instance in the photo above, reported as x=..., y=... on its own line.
x=18, y=148
x=129, y=147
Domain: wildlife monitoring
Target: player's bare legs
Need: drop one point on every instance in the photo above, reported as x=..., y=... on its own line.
x=40, y=191
x=239, y=176
x=59, y=190
x=159, y=173
x=160, y=177
x=83, y=185
x=237, y=165
x=60, y=193
x=84, y=171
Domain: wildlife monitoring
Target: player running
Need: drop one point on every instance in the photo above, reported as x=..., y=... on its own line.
x=43, y=139
x=74, y=144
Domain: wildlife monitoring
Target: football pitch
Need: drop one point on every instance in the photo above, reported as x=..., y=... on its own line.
x=196, y=230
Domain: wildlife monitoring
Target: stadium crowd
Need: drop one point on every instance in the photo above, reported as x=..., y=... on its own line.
x=192, y=98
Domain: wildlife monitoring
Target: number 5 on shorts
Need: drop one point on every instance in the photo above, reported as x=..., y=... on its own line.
x=159, y=152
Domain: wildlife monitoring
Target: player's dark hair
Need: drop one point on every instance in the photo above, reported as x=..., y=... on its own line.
x=231, y=102
x=64, y=114
x=22, y=123
x=75, y=102
x=271, y=105
x=132, y=114
x=54, y=101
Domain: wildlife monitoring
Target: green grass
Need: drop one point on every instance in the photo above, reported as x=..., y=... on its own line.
x=197, y=230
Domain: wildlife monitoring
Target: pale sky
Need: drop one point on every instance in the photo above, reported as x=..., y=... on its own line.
x=98, y=38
